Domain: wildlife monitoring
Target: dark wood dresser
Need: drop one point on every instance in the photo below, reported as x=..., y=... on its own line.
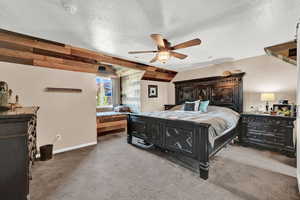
x=268, y=131
x=18, y=151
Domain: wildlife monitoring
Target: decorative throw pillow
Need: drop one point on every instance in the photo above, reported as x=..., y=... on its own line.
x=197, y=104
x=189, y=106
x=203, y=106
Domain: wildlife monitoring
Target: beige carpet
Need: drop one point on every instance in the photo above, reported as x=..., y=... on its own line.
x=115, y=170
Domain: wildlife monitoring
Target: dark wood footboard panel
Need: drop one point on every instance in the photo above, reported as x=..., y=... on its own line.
x=184, y=137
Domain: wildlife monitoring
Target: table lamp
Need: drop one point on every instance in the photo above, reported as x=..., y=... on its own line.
x=267, y=97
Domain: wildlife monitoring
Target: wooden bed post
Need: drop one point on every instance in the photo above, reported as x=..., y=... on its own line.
x=129, y=136
x=203, y=152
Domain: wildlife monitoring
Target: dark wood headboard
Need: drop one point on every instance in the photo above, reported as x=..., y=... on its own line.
x=219, y=90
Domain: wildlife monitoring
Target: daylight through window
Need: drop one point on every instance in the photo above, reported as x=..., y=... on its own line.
x=104, y=92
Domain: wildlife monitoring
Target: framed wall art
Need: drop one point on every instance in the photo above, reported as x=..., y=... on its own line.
x=152, y=91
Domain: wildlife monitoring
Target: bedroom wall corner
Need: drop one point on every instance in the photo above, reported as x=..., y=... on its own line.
x=154, y=104
x=298, y=115
x=131, y=90
x=72, y=115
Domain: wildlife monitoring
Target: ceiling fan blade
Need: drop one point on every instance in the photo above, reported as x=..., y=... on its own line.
x=179, y=55
x=135, y=52
x=159, y=40
x=154, y=59
x=190, y=43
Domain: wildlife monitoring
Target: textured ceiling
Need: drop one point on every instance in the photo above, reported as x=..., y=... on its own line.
x=229, y=29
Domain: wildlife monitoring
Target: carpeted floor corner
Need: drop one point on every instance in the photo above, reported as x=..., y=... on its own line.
x=115, y=170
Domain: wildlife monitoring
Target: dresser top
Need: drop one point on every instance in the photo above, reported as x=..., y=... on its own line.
x=267, y=115
x=19, y=112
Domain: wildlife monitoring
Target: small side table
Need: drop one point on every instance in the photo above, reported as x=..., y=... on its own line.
x=169, y=106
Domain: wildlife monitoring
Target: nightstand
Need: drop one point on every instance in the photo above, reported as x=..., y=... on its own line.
x=169, y=106
x=268, y=131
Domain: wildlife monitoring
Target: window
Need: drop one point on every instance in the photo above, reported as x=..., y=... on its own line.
x=104, y=92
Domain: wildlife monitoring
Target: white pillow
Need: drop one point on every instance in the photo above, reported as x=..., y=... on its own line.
x=197, y=104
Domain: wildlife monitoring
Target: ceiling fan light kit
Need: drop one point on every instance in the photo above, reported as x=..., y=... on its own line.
x=163, y=56
x=165, y=50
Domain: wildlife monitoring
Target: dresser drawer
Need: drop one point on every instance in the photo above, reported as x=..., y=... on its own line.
x=272, y=121
x=266, y=138
x=11, y=129
x=275, y=130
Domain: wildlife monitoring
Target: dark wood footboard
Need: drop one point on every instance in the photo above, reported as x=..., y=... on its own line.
x=188, y=138
x=184, y=137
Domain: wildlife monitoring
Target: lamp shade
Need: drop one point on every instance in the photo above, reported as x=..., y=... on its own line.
x=267, y=97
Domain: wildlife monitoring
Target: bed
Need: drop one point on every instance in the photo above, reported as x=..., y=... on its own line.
x=191, y=133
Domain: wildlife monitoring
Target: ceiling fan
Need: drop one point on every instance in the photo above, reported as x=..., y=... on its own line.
x=165, y=50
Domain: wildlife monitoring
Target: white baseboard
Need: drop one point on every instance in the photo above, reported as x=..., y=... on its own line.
x=71, y=148
x=74, y=147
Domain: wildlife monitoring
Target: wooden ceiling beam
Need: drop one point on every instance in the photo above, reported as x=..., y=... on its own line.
x=64, y=56
x=36, y=58
x=148, y=75
x=285, y=51
x=75, y=51
x=292, y=60
x=283, y=46
x=34, y=43
x=15, y=47
x=16, y=60
x=63, y=66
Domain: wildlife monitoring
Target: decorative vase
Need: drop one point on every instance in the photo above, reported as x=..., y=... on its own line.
x=4, y=96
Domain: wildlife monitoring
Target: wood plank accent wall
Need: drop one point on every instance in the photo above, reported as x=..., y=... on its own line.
x=24, y=49
x=285, y=51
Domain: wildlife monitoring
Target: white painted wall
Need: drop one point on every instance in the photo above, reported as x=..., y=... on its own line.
x=154, y=104
x=131, y=90
x=73, y=115
x=263, y=74
x=298, y=115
